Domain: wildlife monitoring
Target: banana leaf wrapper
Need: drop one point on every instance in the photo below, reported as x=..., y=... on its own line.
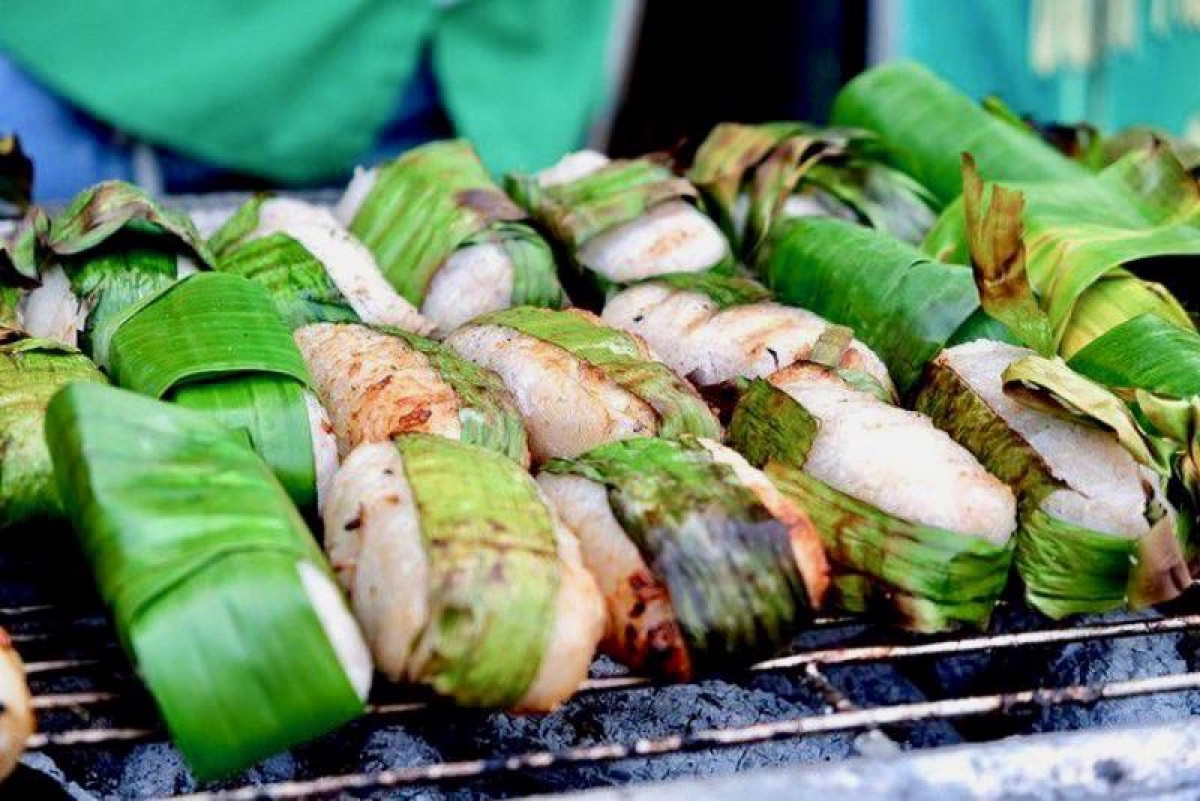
x=195, y=546
x=438, y=198
x=487, y=416
x=296, y=280
x=31, y=372
x=214, y=342
x=725, y=291
x=1066, y=568
x=772, y=161
x=679, y=407
x=1154, y=366
x=575, y=212
x=924, y=578
x=902, y=304
x=493, y=563
x=726, y=561
x=926, y=124
x=16, y=175
x=1086, y=241
x=117, y=246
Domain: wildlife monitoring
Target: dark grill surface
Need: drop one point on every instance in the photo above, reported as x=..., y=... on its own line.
x=847, y=689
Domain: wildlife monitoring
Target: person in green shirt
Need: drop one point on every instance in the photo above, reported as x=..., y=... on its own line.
x=223, y=93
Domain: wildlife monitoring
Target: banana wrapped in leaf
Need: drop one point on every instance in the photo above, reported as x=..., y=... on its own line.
x=702, y=562
x=927, y=124
x=221, y=597
x=31, y=371
x=916, y=530
x=377, y=384
x=621, y=221
x=717, y=330
x=754, y=174
x=579, y=383
x=16, y=707
x=1096, y=531
x=110, y=248
x=447, y=238
x=461, y=574
x=215, y=342
x=315, y=270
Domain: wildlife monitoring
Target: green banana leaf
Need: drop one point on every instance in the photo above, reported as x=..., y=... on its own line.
x=31, y=371
x=725, y=291
x=927, y=124
x=488, y=415
x=1085, y=241
x=215, y=342
x=493, y=570
x=195, y=548
x=679, y=408
x=438, y=198
x=1066, y=568
x=726, y=561
x=298, y=283
x=769, y=162
x=302, y=291
x=16, y=174
x=1155, y=367
x=117, y=246
x=575, y=212
x=923, y=578
x=900, y=303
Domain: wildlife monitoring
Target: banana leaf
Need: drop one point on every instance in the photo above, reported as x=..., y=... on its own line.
x=1066, y=567
x=726, y=561
x=117, y=246
x=924, y=578
x=1086, y=240
x=215, y=342
x=840, y=167
x=725, y=291
x=488, y=416
x=493, y=570
x=197, y=550
x=31, y=371
x=616, y=354
x=575, y=212
x=16, y=175
x=902, y=304
x=927, y=124
x=302, y=291
x=436, y=199
x=1155, y=367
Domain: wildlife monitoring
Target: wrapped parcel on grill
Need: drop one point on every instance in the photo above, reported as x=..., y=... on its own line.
x=31, y=371
x=314, y=269
x=379, y=383
x=702, y=562
x=621, y=221
x=579, y=383
x=461, y=574
x=110, y=248
x=216, y=343
x=220, y=595
x=447, y=238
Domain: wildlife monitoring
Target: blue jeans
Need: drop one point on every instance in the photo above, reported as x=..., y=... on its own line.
x=72, y=150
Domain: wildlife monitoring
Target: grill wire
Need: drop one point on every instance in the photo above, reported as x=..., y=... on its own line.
x=88, y=699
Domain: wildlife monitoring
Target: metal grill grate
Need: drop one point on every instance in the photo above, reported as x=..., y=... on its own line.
x=87, y=697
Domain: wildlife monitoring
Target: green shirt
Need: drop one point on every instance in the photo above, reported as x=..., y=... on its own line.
x=296, y=90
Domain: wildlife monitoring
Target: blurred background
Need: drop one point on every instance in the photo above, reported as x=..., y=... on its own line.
x=221, y=94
